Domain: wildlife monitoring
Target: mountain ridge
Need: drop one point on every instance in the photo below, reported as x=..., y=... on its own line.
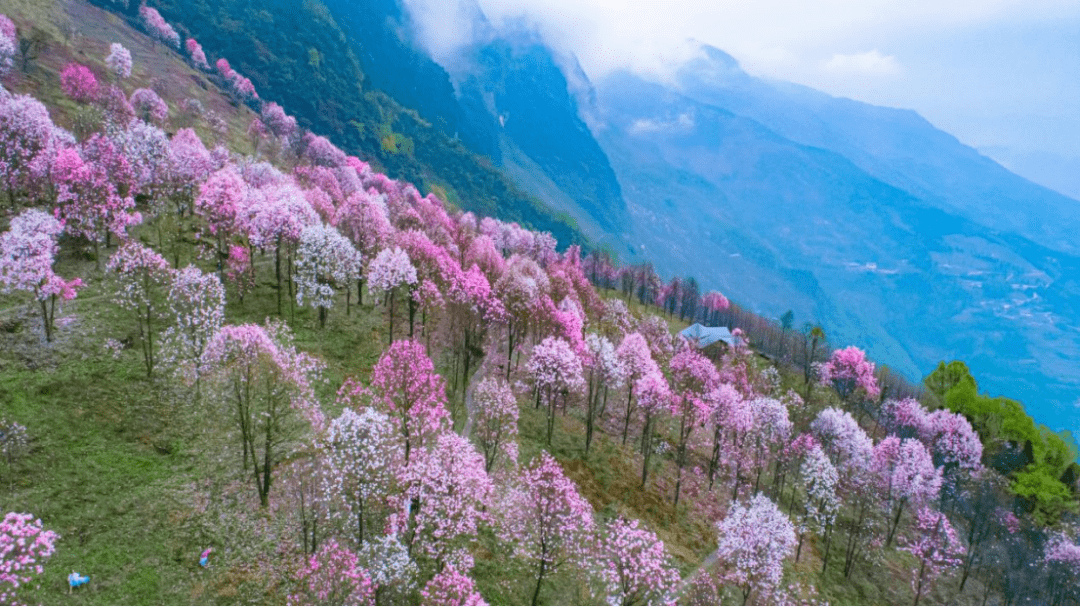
x=911, y=243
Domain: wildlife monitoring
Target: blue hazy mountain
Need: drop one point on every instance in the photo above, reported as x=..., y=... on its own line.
x=895, y=236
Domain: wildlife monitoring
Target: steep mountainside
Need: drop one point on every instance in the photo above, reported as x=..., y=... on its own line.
x=525, y=91
x=297, y=55
x=506, y=99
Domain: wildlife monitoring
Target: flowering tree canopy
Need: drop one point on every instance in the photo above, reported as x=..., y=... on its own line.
x=119, y=60
x=148, y=106
x=906, y=475
x=364, y=456
x=79, y=83
x=27, y=251
x=633, y=565
x=846, y=443
x=198, y=57
x=936, y=547
x=405, y=384
x=847, y=370
x=451, y=588
x=157, y=27
x=333, y=576
x=555, y=371
x=325, y=261
x=951, y=439
x=451, y=492
x=142, y=276
x=546, y=519
x=694, y=380
x=24, y=547
x=818, y=479
x=754, y=541
x=262, y=382
x=29, y=143
x=8, y=44
x=495, y=421
x=196, y=304
x=94, y=191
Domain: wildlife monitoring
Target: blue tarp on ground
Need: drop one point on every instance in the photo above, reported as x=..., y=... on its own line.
x=701, y=336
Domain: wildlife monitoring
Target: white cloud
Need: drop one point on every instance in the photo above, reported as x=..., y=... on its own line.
x=976, y=68
x=683, y=123
x=868, y=63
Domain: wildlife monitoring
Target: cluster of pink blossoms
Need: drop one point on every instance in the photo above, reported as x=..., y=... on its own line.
x=198, y=56
x=157, y=27
x=24, y=546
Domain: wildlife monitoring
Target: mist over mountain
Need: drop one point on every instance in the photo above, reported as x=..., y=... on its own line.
x=870, y=220
x=777, y=224
x=505, y=97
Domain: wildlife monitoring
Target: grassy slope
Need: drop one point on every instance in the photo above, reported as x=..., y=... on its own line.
x=114, y=456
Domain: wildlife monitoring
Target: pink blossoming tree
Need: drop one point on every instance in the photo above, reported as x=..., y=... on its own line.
x=196, y=303
x=8, y=44
x=332, y=576
x=606, y=372
x=390, y=271
x=27, y=252
x=364, y=456
x=637, y=362
x=405, y=384
x=521, y=286
x=447, y=495
x=148, y=106
x=94, y=192
x=633, y=565
x=79, y=83
x=29, y=143
x=935, y=546
x=119, y=61
x=1061, y=556
x=198, y=57
x=221, y=200
x=495, y=421
x=694, y=379
x=754, y=541
x=546, y=519
x=142, y=278
x=654, y=395
x=157, y=27
x=325, y=262
x=818, y=479
x=906, y=475
x=556, y=372
x=25, y=545
x=850, y=374
x=449, y=587
x=262, y=383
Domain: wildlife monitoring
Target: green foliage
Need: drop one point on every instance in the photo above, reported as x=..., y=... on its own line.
x=1005, y=426
x=946, y=376
x=1044, y=495
x=787, y=320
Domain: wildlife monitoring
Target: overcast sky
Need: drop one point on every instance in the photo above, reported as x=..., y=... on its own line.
x=1001, y=75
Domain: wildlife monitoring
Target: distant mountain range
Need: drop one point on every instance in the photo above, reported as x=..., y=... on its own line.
x=891, y=233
